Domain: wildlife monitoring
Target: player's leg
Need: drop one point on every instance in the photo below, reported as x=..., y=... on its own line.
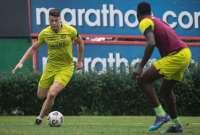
x=61, y=79
x=54, y=90
x=42, y=93
x=170, y=101
x=167, y=93
x=174, y=72
x=146, y=83
x=45, y=82
x=43, y=86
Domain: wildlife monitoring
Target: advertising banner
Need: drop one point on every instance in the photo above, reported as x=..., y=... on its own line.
x=116, y=17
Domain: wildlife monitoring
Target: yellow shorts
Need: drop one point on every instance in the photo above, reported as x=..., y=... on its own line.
x=173, y=66
x=62, y=76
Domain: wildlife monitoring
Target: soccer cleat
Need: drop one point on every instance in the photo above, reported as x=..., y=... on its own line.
x=159, y=122
x=174, y=129
x=38, y=121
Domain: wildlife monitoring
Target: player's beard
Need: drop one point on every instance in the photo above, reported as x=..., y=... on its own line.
x=55, y=29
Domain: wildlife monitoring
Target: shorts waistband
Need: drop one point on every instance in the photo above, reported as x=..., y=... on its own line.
x=176, y=51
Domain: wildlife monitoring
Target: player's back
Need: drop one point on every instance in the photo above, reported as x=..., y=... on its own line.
x=167, y=40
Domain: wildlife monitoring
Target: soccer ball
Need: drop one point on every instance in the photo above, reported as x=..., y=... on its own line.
x=55, y=119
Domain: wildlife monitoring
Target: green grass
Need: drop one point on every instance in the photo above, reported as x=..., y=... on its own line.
x=91, y=125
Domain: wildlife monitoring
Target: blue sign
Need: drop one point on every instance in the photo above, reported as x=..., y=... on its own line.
x=100, y=58
x=117, y=16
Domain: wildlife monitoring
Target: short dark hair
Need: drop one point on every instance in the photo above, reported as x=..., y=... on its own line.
x=143, y=8
x=54, y=12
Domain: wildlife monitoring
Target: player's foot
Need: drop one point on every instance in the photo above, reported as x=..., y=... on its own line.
x=159, y=122
x=38, y=121
x=174, y=129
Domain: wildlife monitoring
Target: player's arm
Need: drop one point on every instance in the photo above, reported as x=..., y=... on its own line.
x=150, y=41
x=80, y=48
x=26, y=55
x=146, y=26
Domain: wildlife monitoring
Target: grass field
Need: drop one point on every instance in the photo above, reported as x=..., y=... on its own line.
x=91, y=125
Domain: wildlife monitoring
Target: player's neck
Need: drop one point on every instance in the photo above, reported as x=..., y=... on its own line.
x=57, y=30
x=144, y=16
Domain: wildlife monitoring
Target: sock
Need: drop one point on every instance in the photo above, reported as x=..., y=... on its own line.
x=176, y=121
x=159, y=111
x=38, y=117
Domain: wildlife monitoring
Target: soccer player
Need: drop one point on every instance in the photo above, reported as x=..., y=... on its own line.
x=59, y=69
x=175, y=58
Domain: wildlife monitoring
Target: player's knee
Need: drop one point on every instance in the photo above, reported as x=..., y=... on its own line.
x=41, y=93
x=52, y=94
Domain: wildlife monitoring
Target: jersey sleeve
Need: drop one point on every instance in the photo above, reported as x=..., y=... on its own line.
x=145, y=24
x=74, y=32
x=40, y=38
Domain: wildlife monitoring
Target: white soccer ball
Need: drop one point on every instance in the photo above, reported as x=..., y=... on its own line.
x=55, y=119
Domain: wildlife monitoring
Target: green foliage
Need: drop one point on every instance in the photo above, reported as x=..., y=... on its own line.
x=93, y=94
x=188, y=92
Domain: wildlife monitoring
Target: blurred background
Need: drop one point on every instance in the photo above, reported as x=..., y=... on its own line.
x=113, y=47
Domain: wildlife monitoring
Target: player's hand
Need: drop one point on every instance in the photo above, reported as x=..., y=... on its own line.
x=18, y=66
x=79, y=65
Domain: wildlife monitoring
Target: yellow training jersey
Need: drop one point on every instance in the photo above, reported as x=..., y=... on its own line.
x=59, y=46
x=145, y=23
